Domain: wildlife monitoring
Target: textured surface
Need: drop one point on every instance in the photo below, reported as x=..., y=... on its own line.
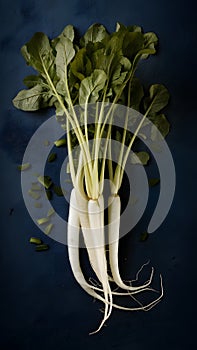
x=41, y=304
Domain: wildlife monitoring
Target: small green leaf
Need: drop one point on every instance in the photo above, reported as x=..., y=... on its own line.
x=42, y=247
x=50, y=212
x=48, y=229
x=58, y=191
x=35, y=186
x=144, y=236
x=49, y=194
x=45, y=181
x=42, y=221
x=140, y=158
x=34, y=194
x=95, y=33
x=52, y=157
x=46, y=142
x=35, y=240
x=60, y=143
x=153, y=182
x=38, y=205
x=24, y=166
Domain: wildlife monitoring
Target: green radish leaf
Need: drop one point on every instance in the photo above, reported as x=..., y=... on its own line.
x=140, y=158
x=91, y=86
x=68, y=33
x=38, y=53
x=126, y=64
x=95, y=33
x=161, y=123
x=65, y=54
x=158, y=98
x=33, y=80
x=132, y=44
x=119, y=26
x=137, y=93
x=150, y=42
x=134, y=29
x=32, y=99
x=81, y=65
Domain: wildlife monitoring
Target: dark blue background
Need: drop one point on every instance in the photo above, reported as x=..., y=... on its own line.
x=41, y=304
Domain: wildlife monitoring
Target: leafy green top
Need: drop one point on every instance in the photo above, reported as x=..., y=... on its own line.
x=100, y=67
x=99, y=64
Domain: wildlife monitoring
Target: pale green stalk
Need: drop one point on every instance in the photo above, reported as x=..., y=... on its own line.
x=119, y=180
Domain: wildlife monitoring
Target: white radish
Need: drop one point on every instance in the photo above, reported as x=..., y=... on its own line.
x=77, y=215
x=92, y=224
x=113, y=236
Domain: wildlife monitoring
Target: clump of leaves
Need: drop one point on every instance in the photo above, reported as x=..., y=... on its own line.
x=100, y=66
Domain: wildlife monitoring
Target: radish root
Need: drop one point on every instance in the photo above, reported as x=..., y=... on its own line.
x=89, y=215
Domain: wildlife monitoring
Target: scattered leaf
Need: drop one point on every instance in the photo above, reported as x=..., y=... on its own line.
x=42, y=247
x=34, y=194
x=42, y=221
x=52, y=157
x=58, y=191
x=60, y=143
x=49, y=194
x=46, y=142
x=48, y=229
x=35, y=240
x=35, y=186
x=140, y=158
x=50, y=212
x=153, y=181
x=24, y=166
x=38, y=205
x=144, y=236
x=45, y=181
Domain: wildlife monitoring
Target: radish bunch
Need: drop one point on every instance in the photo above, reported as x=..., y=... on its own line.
x=98, y=69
